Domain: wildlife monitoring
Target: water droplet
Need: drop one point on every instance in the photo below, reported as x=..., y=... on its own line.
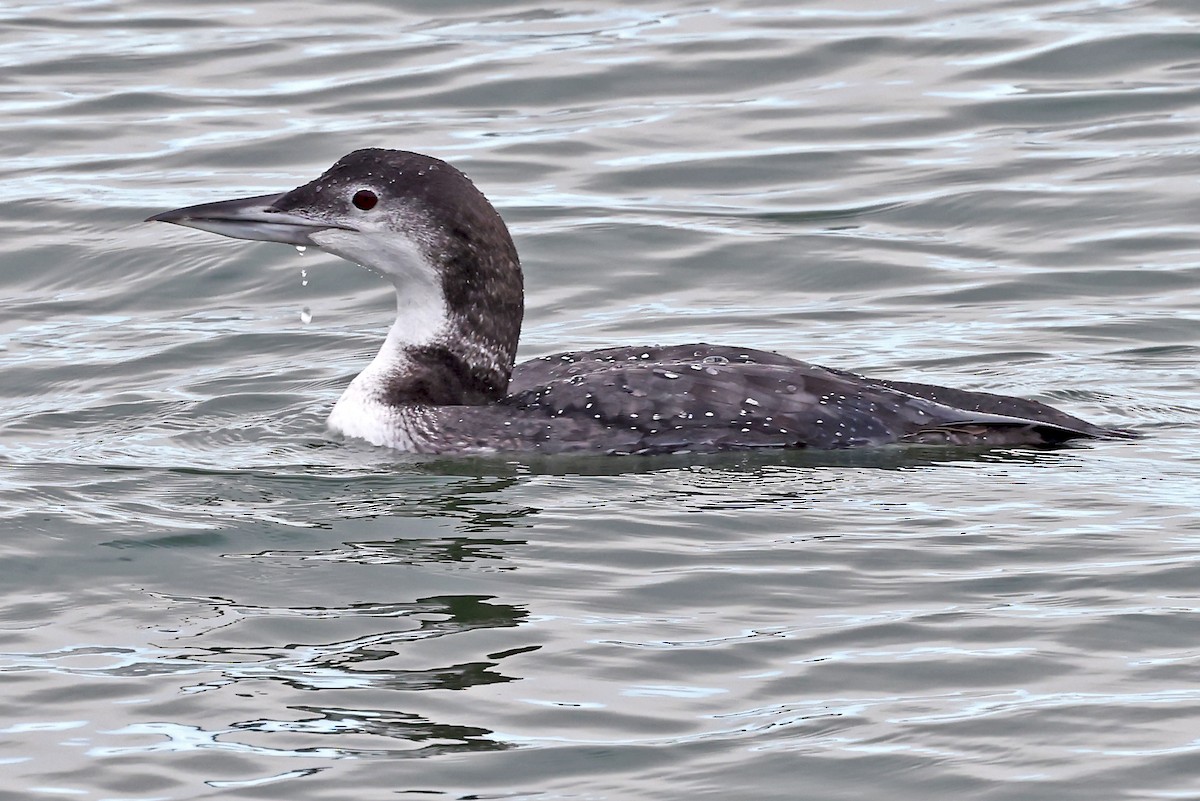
x=305, y=316
x=304, y=278
x=301, y=248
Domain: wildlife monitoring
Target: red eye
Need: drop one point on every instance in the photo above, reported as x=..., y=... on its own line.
x=364, y=199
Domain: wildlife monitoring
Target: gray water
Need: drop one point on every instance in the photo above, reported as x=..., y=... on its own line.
x=203, y=595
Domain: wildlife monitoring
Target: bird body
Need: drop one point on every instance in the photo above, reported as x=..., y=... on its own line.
x=444, y=379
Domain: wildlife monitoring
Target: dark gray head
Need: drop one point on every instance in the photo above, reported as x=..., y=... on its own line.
x=421, y=223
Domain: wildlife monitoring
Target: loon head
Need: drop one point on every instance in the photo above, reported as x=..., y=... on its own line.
x=423, y=225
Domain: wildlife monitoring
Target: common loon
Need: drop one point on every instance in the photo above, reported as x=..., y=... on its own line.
x=444, y=380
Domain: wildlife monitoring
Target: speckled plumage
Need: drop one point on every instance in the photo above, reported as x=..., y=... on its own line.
x=698, y=398
x=444, y=380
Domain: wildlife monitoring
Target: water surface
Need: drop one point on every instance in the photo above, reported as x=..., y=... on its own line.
x=205, y=596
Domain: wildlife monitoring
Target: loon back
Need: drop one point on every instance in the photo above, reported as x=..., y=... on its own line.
x=441, y=381
x=710, y=397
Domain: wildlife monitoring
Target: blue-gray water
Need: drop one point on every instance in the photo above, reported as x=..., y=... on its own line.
x=204, y=596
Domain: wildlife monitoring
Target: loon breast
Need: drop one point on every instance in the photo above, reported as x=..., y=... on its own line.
x=444, y=380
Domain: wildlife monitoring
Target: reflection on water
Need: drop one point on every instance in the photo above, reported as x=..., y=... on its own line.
x=402, y=552
x=219, y=652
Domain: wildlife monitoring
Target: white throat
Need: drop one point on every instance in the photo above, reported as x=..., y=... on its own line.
x=421, y=319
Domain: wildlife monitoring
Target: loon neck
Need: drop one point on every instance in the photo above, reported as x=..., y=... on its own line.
x=453, y=343
x=426, y=360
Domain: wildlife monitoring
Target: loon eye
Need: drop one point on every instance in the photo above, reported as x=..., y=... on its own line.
x=364, y=199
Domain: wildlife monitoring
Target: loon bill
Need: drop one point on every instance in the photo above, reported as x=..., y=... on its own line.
x=444, y=380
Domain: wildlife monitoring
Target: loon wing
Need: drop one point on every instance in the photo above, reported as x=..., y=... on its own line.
x=700, y=397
